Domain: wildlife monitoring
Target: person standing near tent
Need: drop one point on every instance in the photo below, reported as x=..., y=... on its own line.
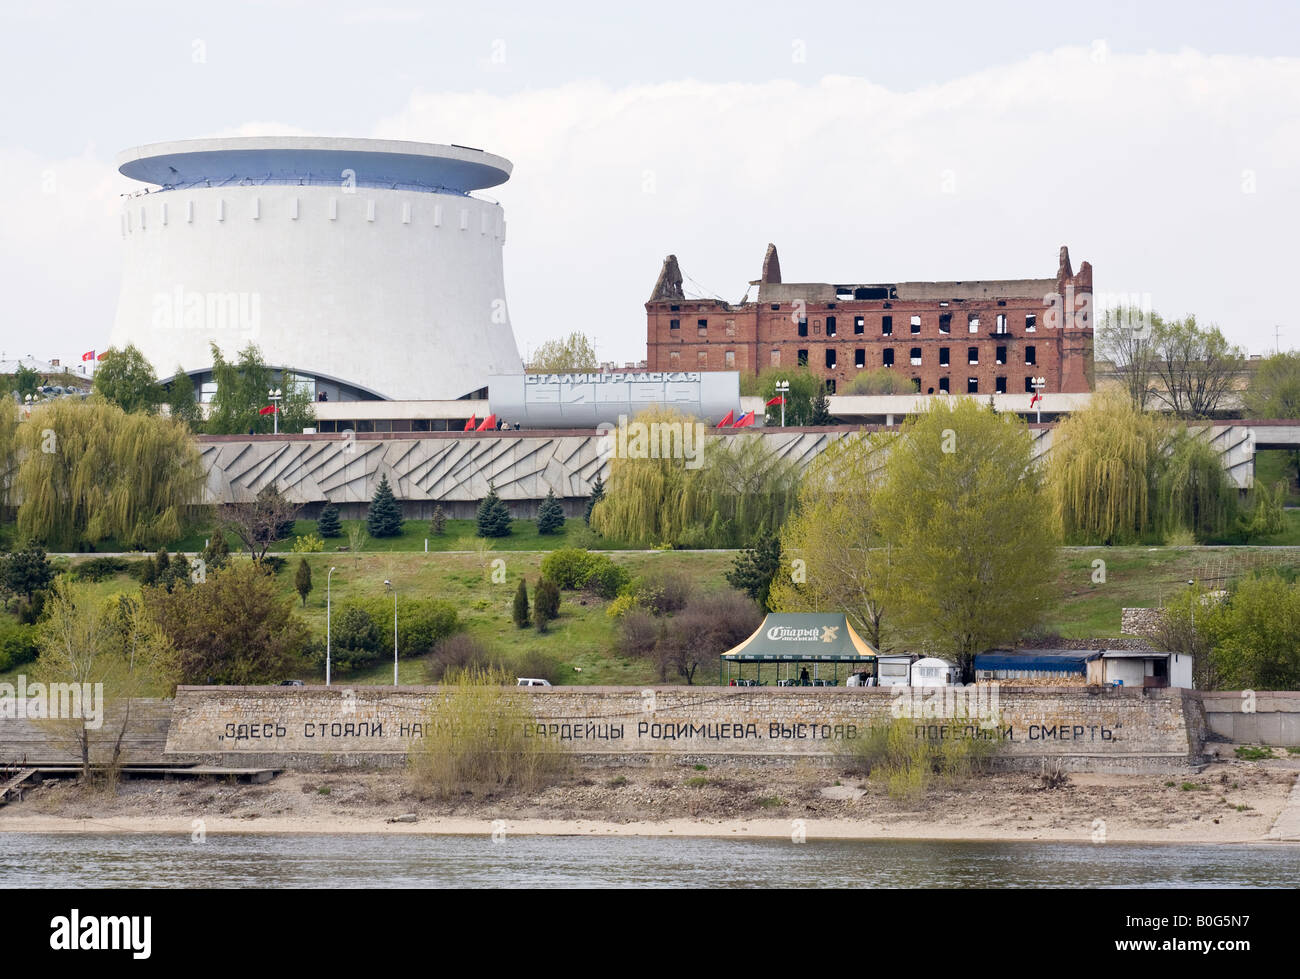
x=803, y=677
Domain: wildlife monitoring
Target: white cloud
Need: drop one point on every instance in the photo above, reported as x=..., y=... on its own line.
x=1137, y=162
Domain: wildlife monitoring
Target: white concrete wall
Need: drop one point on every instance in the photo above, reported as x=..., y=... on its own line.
x=398, y=292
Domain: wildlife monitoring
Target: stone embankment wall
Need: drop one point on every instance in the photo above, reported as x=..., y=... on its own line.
x=40, y=741
x=1097, y=729
x=1269, y=717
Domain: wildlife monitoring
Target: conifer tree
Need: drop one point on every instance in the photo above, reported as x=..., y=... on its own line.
x=302, y=581
x=438, y=522
x=328, y=525
x=493, y=515
x=550, y=515
x=546, y=603
x=597, y=494
x=520, y=611
x=384, y=517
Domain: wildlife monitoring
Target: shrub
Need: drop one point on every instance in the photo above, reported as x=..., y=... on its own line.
x=355, y=641
x=893, y=754
x=620, y=606
x=663, y=590
x=455, y=654
x=638, y=633
x=99, y=568
x=568, y=567
x=546, y=603
x=604, y=577
x=421, y=623
x=535, y=663
x=17, y=645
x=308, y=544
x=477, y=740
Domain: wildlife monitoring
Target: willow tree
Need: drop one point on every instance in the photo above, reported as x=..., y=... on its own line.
x=669, y=484
x=645, y=498
x=88, y=471
x=962, y=508
x=1193, y=492
x=1102, y=471
x=832, y=558
x=8, y=453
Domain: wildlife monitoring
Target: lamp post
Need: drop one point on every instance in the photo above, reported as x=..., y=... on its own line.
x=389, y=584
x=275, y=395
x=1040, y=383
x=327, y=626
x=782, y=389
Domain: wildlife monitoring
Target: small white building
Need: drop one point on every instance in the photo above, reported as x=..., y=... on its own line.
x=934, y=672
x=894, y=670
x=1141, y=668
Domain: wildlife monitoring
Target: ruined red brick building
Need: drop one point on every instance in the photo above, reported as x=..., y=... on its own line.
x=977, y=337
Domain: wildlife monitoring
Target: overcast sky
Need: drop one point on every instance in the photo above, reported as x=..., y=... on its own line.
x=871, y=142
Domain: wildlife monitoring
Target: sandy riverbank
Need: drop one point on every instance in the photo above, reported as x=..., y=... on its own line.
x=1229, y=802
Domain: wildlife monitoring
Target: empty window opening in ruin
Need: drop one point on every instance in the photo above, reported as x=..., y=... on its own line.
x=830, y=326
x=860, y=357
x=972, y=385
x=916, y=324
x=830, y=356
x=802, y=358
x=803, y=326
x=674, y=324
x=1002, y=323
x=973, y=322
x=887, y=358
x=1031, y=355
x=859, y=325
x=1002, y=355
x=1000, y=385
x=943, y=356
x=886, y=326
x=702, y=327
x=1031, y=322
x=916, y=385
x=915, y=356
x=972, y=355
x=943, y=385
x=945, y=322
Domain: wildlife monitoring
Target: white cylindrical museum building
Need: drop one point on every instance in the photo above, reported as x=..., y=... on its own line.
x=364, y=266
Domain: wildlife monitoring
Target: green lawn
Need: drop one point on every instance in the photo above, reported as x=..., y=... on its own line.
x=580, y=643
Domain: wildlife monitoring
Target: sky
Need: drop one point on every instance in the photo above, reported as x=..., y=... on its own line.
x=870, y=142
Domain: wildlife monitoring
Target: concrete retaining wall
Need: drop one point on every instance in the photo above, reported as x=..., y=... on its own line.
x=45, y=742
x=1093, y=729
x=1253, y=717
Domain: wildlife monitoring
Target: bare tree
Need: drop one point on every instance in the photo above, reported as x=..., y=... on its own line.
x=1196, y=367
x=1124, y=337
x=261, y=522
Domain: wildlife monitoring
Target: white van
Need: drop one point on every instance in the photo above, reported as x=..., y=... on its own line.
x=528, y=681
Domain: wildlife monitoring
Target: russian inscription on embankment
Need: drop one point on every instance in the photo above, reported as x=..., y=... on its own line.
x=1097, y=728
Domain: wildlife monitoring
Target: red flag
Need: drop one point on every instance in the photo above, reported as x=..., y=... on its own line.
x=488, y=423
x=268, y=410
x=778, y=400
x=746, y=420
x=1035, y=399
x=100, y=357
x=473, y=420
x=727, y=420
x=88, y=355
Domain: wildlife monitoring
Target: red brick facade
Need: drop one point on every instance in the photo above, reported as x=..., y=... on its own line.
x=940, y=335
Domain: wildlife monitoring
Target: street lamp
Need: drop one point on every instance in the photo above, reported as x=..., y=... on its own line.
x=783, y=388
x=275, y=395
x=1039, y=383
x=389, y=584
x=327, y=626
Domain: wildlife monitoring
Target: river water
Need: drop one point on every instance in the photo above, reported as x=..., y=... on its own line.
x=263, y=861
